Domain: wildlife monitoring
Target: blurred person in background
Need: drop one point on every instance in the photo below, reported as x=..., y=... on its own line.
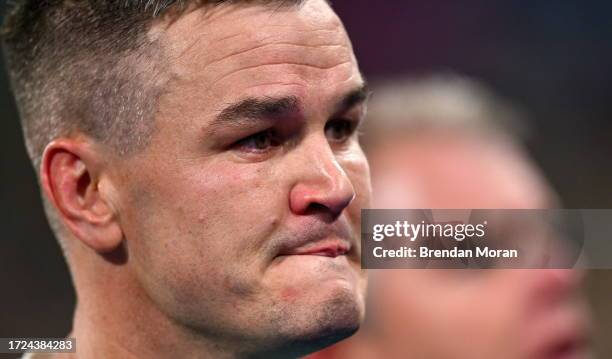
x=448, y=142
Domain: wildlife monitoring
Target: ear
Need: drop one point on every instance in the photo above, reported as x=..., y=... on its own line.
x=72, y=178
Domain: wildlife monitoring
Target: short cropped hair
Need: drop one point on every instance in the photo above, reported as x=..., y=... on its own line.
x=87, y=66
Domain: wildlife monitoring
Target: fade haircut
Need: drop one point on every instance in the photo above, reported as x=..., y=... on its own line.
x=87, y=66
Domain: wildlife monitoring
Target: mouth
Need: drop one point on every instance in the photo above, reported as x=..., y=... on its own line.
x=325, y=248
x=317, y=240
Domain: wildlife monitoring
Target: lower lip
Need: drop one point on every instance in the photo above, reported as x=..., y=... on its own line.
x=316, y=269
x=331, y=253
x=315, y=257
x=327, y=251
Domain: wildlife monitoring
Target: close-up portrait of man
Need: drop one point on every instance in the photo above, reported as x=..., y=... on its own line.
x=212, y=179
x=200, y=167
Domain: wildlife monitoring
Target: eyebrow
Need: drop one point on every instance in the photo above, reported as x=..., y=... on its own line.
x=269, y=108
x=353, y=98
x=259, y=108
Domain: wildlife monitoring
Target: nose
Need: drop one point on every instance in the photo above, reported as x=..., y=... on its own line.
x=324, y=186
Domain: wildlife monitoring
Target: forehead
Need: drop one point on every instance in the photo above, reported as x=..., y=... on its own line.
x=462, y=171
x=231, y=51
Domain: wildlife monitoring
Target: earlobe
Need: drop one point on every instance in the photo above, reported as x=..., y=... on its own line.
x=70, y=174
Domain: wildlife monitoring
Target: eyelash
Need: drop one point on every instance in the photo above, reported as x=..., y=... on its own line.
x=269, y=139
x=272, y=137
x=348, y=126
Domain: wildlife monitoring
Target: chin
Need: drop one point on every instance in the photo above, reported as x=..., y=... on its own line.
x=317, y=302
x=324, y=322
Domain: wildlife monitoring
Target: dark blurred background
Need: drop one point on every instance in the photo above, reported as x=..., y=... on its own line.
x=551, y=58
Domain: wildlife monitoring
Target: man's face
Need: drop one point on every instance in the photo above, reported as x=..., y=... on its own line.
x=509, y=314
x=242, y=216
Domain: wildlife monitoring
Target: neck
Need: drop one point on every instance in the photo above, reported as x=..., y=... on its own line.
x=115, y=318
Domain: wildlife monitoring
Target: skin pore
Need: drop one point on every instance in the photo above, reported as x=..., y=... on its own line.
x=235, y=233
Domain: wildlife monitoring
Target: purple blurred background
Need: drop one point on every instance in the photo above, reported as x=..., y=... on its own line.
x=552, y=58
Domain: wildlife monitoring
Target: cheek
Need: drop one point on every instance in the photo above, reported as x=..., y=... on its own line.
x=194, y=231
x=357, y=169
x=201, y=214
x=205, y=196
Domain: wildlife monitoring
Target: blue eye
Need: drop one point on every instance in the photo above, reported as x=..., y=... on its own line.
x=339, y=130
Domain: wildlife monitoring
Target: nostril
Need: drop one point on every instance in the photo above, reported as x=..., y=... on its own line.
x=308, y=199
x=337, y=204
x=346, y=202
x=327, y=215
x=329, y=208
